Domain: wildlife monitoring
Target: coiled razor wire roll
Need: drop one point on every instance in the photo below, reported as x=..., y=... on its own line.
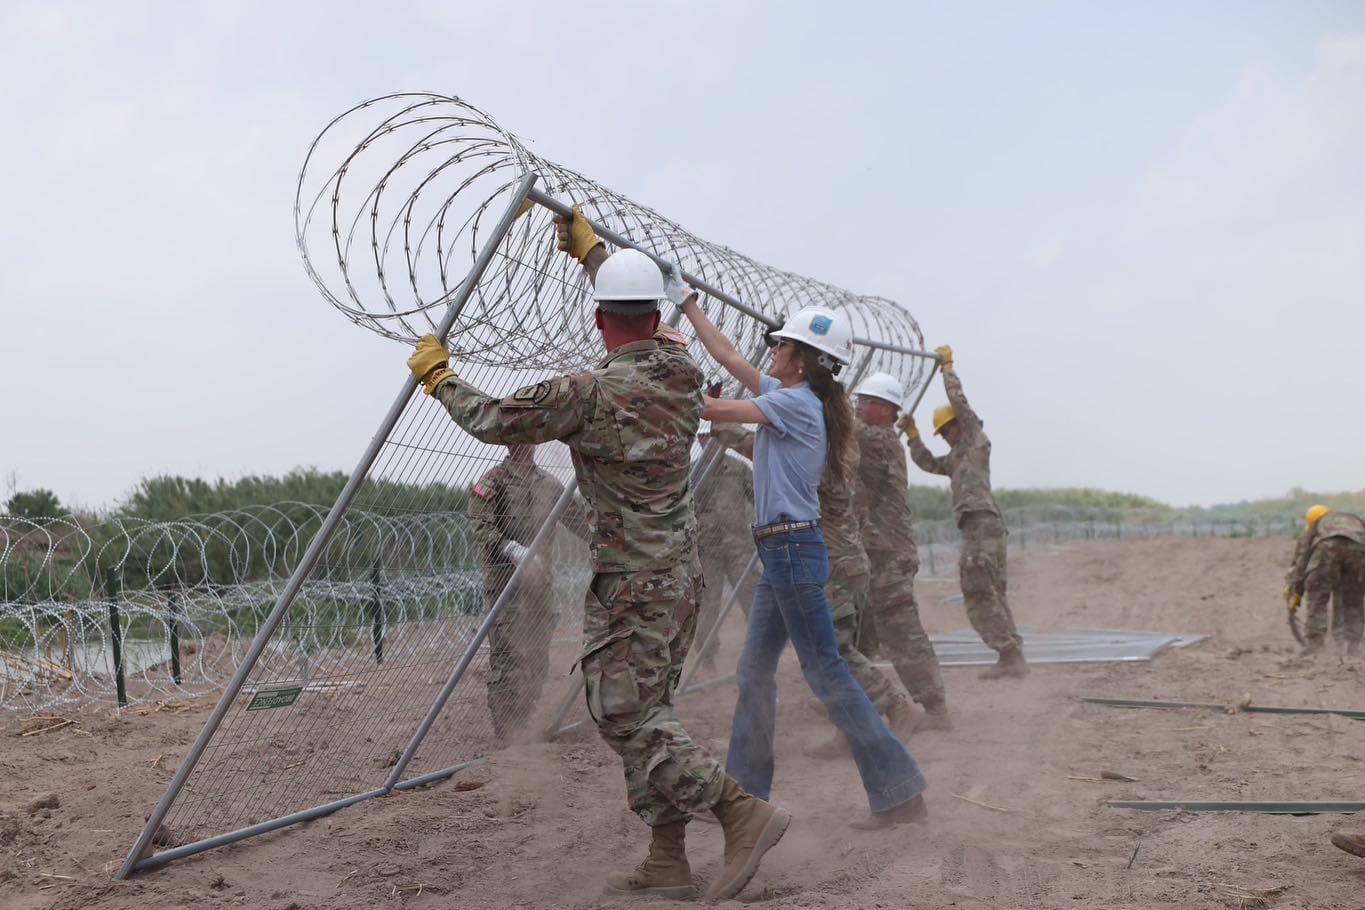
x=397, y=195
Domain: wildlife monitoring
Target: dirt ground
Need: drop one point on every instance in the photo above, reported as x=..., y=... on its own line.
x=1018, y=813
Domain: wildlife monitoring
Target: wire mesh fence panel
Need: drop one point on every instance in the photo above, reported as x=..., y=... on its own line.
x=389, y=659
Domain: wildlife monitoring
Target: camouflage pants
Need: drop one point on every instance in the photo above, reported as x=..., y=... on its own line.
x=518, y=655
x=897, y=633
x=721, y=561
x=637, y=629
x=847, y=595
x=981, y=565
x=1336, y=574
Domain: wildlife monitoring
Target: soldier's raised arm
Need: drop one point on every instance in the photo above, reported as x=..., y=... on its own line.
x=919, y=452
x=577, y=238
x=952, y=385
x=556, y=408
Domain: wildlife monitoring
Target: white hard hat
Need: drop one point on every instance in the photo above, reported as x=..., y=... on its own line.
x=883, y=386
x=628, y=282
x=823, y=329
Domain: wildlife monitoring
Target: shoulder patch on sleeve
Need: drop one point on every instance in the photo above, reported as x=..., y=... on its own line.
x=482, y=490
x=544, y=394
x=670, y=335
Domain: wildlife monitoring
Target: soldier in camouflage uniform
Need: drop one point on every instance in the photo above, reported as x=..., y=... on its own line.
x=629, y=425
x=1329, y=565
x=507, y=506
x=725, y=516
x=846, y=591
x=981, y=562
x=884, y=511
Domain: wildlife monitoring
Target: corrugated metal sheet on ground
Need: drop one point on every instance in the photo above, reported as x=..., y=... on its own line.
x=963, y=648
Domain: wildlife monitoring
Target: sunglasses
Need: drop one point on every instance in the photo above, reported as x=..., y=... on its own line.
x=777, y=344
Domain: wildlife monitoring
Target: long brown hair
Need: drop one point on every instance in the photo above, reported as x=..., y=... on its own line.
x=840, y=442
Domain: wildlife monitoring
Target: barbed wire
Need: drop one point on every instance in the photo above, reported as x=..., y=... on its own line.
x=209, y=580
x=396, y=195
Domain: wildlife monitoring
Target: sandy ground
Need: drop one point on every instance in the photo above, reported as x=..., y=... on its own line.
x=550, y=818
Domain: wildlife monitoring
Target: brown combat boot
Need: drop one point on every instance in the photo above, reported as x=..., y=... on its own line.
x=910, y=812
x=1353, y=844
x=664, y=872
x=936, y=716
x=835, y=747
x=1010, y=664
x=752, y=827
x=904, y=717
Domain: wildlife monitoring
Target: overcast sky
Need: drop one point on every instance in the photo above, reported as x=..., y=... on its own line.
x=1140, y=225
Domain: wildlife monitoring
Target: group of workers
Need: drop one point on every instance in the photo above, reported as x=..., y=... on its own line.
x=828, y=491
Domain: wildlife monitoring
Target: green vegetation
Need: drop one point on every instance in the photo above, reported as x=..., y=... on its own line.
x=935, y=503
x=38, y=503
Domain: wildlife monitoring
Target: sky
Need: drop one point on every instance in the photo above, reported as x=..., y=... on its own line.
x=1140, y=226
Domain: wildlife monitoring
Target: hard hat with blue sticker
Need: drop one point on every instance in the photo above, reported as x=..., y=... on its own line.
x=820, y=325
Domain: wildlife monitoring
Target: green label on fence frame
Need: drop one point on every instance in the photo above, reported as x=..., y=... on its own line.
x=275, y=698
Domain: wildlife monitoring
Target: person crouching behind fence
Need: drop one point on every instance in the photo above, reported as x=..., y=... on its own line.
x=629, y=424
x=803, y=417
x=507, y=505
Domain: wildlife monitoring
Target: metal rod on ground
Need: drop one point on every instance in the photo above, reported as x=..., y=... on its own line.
x=1268, y=807
x=320, y=540
x=1249, y=709
x=116, y=631
x=713, y=632
x=543, y=534
x=175, y=609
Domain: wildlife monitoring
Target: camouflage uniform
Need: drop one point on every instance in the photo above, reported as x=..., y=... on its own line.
x=892, y=614
x=1329, y=565
x=981, y=562
x=510, y=503
x=849, y=568
x=725, y=510
x=629, y=424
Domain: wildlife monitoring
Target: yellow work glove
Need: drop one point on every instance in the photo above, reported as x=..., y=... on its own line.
x=430, y=363
x=945, y=356
x=907, y=426
x=1292, y=599
x=575, y=235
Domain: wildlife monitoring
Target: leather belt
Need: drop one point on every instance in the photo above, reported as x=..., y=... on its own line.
x=784, y=527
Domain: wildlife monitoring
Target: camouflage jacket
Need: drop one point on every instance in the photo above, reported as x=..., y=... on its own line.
x=1333, y=524
x=838, y=515
x=725, y=500
x=629, y=425
x=967, y=464
x=510, y=502
x=883, y=502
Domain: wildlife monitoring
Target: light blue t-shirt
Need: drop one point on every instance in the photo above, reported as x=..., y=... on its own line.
x=789, y=453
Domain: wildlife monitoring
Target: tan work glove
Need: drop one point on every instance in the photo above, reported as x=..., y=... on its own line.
x=430, y=363
x=575, y=236
x=907, y=426
x=945, y=357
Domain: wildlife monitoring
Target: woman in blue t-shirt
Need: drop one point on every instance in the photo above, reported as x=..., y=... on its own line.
x=803, y=417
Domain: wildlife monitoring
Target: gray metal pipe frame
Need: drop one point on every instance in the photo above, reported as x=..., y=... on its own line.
x=712, y=633
x=1268, y=807
x=1249, y=709
x=544, y=533
x=143, y=844
x=565, y=211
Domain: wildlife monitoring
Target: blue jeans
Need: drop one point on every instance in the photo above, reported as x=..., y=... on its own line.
x=790, y=604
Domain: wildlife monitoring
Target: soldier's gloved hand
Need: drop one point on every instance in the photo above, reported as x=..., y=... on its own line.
x=945, y=356
x=907, y=426
x=714, y=389
x=675, y=288
x=1292, y=599
x=430, y=363
x=515, y=551
x=575, y=236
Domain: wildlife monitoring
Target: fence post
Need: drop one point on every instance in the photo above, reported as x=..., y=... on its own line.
x=929, y=549
x=175, y=608
x=376, y=615
x=115, y=627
